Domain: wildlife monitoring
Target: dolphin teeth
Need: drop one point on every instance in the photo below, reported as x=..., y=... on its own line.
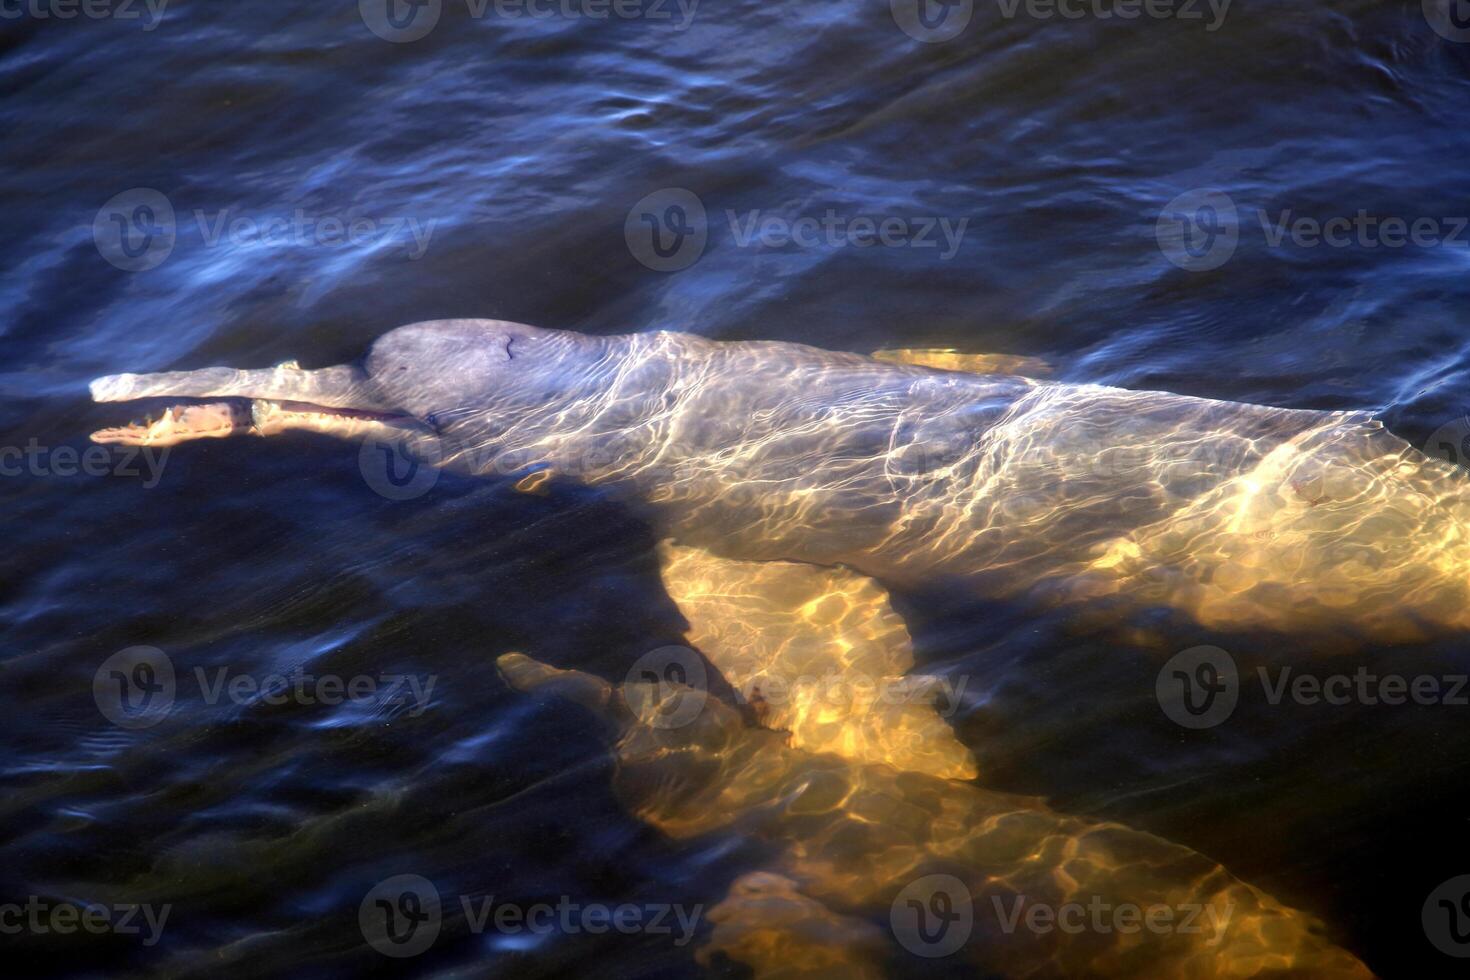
x=259, y=409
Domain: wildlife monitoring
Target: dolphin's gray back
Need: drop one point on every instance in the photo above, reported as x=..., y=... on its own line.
x=778, y=450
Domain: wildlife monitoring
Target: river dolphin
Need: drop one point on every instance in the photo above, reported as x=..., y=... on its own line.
x=1236, y=515
x=944, y=861
x=791, y=486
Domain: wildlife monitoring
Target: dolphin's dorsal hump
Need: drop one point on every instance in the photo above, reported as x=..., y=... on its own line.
x=949, y=359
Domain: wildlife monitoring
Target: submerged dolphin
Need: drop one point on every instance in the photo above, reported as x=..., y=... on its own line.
x=855, y=842
x=1237, y=515
x=794, y=480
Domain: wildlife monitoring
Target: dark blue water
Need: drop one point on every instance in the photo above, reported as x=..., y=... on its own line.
x=516, y=149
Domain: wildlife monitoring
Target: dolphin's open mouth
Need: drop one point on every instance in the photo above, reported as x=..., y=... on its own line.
x=238, y=416
x=215, y=403
x=179, y=423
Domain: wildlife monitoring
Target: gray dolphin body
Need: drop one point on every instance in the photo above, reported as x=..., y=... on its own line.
x=1239, y=515
x=857, y=841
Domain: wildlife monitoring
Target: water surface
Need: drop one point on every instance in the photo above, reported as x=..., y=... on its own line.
x=515, y=149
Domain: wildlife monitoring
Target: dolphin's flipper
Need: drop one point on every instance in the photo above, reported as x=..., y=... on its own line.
x=949, y=359
x=767, y=924
x=820, y=653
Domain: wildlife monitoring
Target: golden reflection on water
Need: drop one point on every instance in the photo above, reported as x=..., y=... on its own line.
x=850, y=835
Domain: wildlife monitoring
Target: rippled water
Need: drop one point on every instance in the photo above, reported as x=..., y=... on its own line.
x=327, y=185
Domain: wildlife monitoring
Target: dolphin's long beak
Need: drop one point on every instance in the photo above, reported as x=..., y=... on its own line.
x=343, y=386
x=336, y=400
